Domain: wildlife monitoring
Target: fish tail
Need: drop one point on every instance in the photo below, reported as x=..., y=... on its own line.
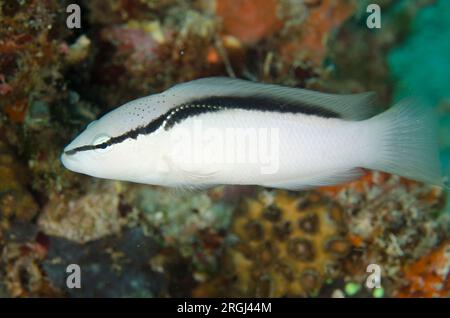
x=406, y=142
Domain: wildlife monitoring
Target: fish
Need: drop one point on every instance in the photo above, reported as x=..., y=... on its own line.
x=225, y=131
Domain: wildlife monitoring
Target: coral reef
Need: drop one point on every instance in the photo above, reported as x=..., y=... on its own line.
x=358, y=55
x=378, y=219
x=391, y=222
x=311, y=45
x=136, y=240
x=147, y=54
x=16, y=202
x=30, y=63
x=286, y=244
x=429, y=276
x=195, y=224
x=260, y=22
x=84, y=218
x=21, y=264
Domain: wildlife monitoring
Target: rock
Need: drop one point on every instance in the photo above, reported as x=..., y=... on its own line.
x=85, y=218
x=111, y=267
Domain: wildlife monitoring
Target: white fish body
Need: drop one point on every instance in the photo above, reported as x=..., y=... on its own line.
x=226, y=131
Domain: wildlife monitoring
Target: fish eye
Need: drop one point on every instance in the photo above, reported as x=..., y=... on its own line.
x=99, y=140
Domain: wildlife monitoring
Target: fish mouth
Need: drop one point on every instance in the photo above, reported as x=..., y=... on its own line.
x=83, y=148
x=64, y=159
x=68, y=161
x=69, y=152
x=69, y=149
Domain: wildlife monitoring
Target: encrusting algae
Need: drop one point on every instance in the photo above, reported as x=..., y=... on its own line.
x=428, y=276
x=16, y=202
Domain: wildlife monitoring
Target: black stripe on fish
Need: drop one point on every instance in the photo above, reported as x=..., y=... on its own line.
x=185, y=111
x=212, y=104
x=167, y=120
x=133, y=134
x=267, y=103
x=259, y=103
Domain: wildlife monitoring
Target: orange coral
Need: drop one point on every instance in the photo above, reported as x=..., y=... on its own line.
x=249, y=20
x=321, y=21
x=213, y=56
x=429, y=276
x=355, y=240
x=360, y=185
x=376, y=178
x=17, y=110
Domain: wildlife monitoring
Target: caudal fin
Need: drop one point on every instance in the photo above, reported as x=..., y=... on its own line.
x=406, y=143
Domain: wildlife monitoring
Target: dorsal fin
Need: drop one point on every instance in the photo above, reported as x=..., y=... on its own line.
x=349, y=107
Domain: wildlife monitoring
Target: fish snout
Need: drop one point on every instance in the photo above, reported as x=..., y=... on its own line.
x=69, y=161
